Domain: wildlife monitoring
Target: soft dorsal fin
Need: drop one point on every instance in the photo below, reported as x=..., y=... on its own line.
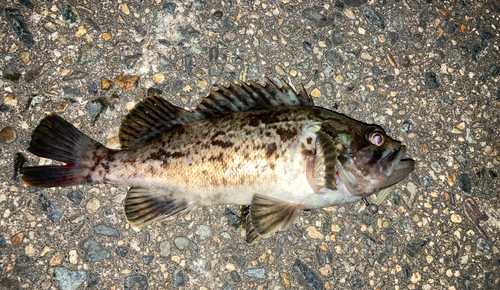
x=149, y=119
x=155, y=116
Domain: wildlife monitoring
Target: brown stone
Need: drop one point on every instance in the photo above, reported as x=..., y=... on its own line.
x=56, y=259
x=106, y=84
x=17, y=239
x=8, y=135
x=128, y=82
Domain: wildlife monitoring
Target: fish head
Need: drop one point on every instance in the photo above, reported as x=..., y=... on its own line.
x=369, y=160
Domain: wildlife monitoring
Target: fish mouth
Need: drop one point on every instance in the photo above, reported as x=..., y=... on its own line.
x=397, y=168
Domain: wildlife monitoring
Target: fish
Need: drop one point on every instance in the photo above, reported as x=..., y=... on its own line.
x=263, y=146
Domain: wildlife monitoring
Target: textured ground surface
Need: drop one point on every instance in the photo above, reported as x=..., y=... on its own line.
x=427, y=71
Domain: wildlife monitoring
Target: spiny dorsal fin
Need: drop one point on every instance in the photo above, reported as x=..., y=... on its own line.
x=144, y=206
x=251, y=96
x=149, y=119
x=155, y=116
x=268, y=215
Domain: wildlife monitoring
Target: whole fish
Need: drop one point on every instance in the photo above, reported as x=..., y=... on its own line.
x=248, y=144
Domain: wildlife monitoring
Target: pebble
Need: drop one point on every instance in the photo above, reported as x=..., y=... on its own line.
x=75, y=196
x=217, y=15
x=285, y=280
x=399, y=21
x=354, y=3
x=339, y=79
x=314, y=233
x=203, y=232
x=121, y=251
x=235, y=276
x=93, y=280
x=124, y=8
x=464, y=183
x=309, y=276
x=436, y=167
x=10, y=100
x=138, y=282
x=73, y=256
x=56, y=259
x=181, y=243
x=131, y=60
x=106, y=84
x=95, y=252
x=3, y=242
x=11, y=73
x=373, y=17
x=233, y=220
x=106, y=36
x=334, y=58
x=93, y=205
x=170, y=7
x=427, y=181
x=147, y=259
x=106, y=231
x=89, y=53
x=53, y=213
x=355, y=282
x=187, y=32
x=199, y=266
x=365, y=55
x=256, y=273
x=313, y=14
x=17, y=239
x=431, y=80
x=316, y=93
x=179, y=278
x=25, y=57
x=414, y=248
x=164, y=249
x=478, y=51
x=69, y=280
x=8, y=135
x=200, y=5
x=128, y=82
x=483, y=245
x=16, y=19
x=69, y=17
x=456, y=218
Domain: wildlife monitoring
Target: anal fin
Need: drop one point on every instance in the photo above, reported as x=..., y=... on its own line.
x=269, y=215
x=144, y=206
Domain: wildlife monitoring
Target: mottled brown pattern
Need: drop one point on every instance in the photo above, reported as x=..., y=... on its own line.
x=213, y=159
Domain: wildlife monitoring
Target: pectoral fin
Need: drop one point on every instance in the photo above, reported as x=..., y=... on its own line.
x=144, y=206
x=268, y=215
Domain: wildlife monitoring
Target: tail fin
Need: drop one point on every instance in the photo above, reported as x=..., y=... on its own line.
x=56, y=139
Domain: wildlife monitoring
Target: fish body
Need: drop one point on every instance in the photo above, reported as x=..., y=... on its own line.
x=262, y=146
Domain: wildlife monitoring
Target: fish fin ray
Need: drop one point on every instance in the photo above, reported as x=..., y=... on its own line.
x=144, y=206
x=149, y=119
x=269, y=215
x=55, y=138
x=251, y=234
x=251, y=96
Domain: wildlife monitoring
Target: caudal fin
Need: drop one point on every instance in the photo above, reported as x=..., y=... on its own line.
x=56, y=139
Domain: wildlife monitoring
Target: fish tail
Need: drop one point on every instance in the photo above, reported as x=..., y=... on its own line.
x=56, y=139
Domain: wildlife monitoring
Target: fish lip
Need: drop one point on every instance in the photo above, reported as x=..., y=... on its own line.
x=397, y=157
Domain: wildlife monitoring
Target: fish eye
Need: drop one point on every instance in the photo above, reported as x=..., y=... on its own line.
x=376, y=138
